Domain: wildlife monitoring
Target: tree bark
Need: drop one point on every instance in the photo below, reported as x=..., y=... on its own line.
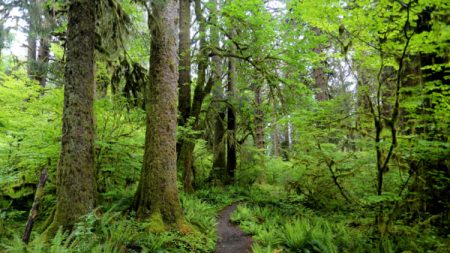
x=319, y=75
x=285, y=148
x=43, y=59
x=33, y=21
x=202, y=89
x=157, y=196
x=259, y=118
x=321, y=84
x=218, y=172
x=3, y=34
x=184, y=81
x=186, y=161
x=231, y=117
x=76, y=184
x=275, y=136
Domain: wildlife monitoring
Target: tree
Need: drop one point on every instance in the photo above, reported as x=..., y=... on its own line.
x=76, y=184
x=219, y=160
x=184, y=81
x=231, y=115
x=157, y=195
x=319, y=74
x=33, y=21
x=259, y=117
x=5, y=11
x=202, y=89
x=43, y=53
x=40, y=24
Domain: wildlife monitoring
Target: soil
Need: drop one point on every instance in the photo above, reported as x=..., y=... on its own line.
x=231, y=238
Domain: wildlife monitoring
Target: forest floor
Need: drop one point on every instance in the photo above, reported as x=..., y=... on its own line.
x=231, y=238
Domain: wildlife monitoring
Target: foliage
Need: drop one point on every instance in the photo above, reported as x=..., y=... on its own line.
x=363, y=169
x=30, y=141
x=287, y=226
x=112, y=231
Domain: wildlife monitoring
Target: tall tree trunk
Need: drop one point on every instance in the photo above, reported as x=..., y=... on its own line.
x=76, y=185
x=184, y=81
x=39, y=30
x=3, y=34
x=231, y=117
x=259, y=118
x=319, y=75
x=285, y=143
x=219, y=160
x=321, y=84
x=202, y=89
x=363, y=107
x=275, y=136
x=33, y=21
x=43, y=59
x=432, y=83
x=157, y=195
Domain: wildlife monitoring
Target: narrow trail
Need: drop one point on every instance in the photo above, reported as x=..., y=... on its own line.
x=231, y=238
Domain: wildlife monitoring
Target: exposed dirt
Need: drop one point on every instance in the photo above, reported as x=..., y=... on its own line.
x=231, y=238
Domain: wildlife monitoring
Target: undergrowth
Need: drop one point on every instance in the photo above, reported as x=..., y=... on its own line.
x=280, y=223
x=117, y=230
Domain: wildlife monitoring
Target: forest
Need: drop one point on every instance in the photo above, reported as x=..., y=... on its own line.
x=227, y=126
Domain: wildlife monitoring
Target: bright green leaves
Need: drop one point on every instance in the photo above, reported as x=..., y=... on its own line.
x=256, y=27
x=31, y=122
x=29, y=134
x=30, y=130
x=119, y=143
x=324, y=14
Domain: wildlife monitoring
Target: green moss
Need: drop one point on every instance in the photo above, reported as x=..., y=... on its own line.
x=2, y=228
x=50, y=232
x=186, y=228
x=155, y=223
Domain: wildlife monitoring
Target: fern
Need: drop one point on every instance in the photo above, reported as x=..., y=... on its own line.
x=296, y=234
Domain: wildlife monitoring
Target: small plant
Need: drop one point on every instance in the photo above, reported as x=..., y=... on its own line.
x=242, y=213
x=256, y=248
x=296, y=234
x=269, y=237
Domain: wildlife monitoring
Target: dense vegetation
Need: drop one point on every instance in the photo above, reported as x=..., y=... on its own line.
x=328, y=121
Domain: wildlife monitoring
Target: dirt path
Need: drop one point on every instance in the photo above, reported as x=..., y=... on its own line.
x=231, y=238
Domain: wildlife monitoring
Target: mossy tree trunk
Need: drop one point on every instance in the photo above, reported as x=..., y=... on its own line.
x=43, y=54
x=202, y=89
x=231, y=116
x=76, y=185
x=33, y=21
x=429, y=192
x=275, y=136
x=185, y=155
x=184, y=81
x=3, y=34
x=157, y=196
x=285, y=145
x=320, y=77
x=39, y=26
x=218, y=172
x=320, y=81
x=259, y=118
x=42, y=60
